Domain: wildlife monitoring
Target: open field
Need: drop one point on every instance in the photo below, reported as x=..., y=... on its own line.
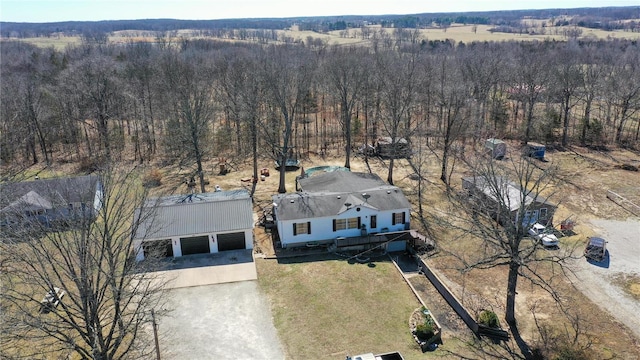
x=57, y=42
x=470, y=33
x=455, y=32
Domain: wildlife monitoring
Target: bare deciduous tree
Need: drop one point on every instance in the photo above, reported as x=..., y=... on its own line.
x=107, y=294
x=530, y=75
x=499, y=212
x=189, y=91
x=346, y=76
x=245, y=98
x=451, y=97
x=397, y=77
x=286, y=74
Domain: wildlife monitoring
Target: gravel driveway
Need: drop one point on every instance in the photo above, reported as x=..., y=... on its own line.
x=223, y=321
x=596, y=280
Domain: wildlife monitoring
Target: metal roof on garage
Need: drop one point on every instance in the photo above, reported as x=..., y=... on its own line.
x=186, y=215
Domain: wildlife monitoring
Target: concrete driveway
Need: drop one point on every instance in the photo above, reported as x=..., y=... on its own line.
x=208, y=269
x=223, y=321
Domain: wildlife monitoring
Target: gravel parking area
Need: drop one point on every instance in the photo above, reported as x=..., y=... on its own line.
x=600, y=281
x=223, y=321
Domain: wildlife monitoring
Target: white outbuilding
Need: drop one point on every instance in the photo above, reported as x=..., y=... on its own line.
x=183, y=225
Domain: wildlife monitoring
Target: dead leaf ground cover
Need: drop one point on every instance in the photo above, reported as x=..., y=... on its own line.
x=308, y=298
x=584, y=175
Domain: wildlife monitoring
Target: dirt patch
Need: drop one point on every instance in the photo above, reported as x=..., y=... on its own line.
x=629, y=283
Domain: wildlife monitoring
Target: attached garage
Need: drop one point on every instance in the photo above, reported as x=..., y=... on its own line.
x=194, y=245
x=231, y=241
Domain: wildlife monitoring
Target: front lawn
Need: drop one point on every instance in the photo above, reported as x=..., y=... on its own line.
x=326, y=308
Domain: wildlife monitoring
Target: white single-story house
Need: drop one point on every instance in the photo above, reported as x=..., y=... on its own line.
x=182, y=225
x=337, y=205
x=50, y=202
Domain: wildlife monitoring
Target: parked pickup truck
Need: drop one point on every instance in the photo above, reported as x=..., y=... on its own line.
x=540, y=233
x=596, y=249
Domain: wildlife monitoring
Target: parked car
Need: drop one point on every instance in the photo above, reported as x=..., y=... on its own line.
x=596, y=249
x=540, y=233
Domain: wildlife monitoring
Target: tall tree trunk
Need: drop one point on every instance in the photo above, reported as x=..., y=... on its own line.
x=254, y=151
x=527, y=133
x=443, y=169
x=565, y=127
x=623, y=121
x=512, y=284
x=586, y=121
x=347, y=148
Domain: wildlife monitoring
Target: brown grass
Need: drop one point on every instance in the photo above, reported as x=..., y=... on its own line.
x=584, y=175
x=456, y=33
x=57, y=42
x=327, y=308
x=630, y=284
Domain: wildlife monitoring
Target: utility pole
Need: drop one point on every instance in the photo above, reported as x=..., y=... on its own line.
x=155, y=333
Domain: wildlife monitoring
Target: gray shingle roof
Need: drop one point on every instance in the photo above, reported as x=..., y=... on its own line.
x=330, y=194
x=511, y=192
x=344, y=181
x=50, y=193
x=206, y=213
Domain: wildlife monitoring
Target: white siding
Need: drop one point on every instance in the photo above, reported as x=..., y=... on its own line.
x=177, y=250
x=322, y=228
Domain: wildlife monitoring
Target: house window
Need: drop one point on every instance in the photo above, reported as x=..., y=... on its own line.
x=397, y=218
x=343, y=224
x=374, y=221
x=543, y=213
x=302, y=228
x=35, y=212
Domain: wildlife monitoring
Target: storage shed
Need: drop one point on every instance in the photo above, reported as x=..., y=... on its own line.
x=496, y=148
x=534, y=150
x=388, y=148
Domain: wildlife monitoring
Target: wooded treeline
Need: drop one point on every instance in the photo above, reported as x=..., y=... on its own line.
x=201, y=99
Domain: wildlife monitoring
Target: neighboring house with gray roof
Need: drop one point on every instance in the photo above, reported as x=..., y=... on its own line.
x=50, y=202
x=182, y=225
x=492, y=192
x=339, y=204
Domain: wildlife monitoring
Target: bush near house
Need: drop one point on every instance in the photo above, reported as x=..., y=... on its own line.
x=489, y=318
